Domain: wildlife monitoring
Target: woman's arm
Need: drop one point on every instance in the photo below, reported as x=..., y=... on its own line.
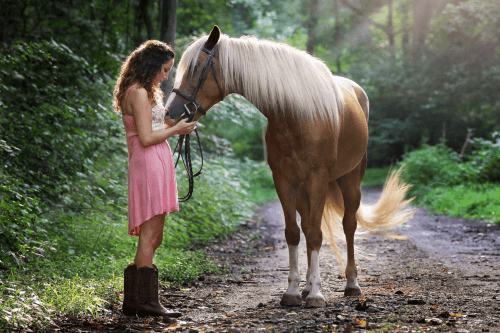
x=143, y=118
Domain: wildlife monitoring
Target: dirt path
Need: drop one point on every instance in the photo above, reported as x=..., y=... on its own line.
x=444, y=277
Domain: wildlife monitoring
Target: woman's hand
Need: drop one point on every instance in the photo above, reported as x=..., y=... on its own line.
x=183, y=127
x=168, y=120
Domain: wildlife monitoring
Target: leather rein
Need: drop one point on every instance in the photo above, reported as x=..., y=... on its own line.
x=189, y=114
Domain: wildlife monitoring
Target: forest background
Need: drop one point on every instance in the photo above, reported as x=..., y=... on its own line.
x=430, y=68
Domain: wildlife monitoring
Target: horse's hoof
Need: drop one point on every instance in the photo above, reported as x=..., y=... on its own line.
x=315, y=302
x=305, y=293
x=352, y=292
x=291, y=300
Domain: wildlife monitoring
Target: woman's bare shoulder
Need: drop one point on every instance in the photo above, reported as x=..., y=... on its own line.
x=138, y=93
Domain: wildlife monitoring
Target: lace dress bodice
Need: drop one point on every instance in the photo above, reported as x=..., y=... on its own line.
x=158, y=117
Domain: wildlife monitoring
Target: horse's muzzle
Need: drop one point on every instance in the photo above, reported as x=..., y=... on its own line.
x=176, y=107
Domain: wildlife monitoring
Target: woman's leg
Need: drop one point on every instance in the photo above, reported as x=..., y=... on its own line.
x=150, y=238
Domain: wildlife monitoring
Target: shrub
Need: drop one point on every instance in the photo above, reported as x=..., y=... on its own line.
x=51, y=110
x=431, y=166
x=483, y=164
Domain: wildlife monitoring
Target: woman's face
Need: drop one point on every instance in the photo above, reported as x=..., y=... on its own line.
x=163, y=74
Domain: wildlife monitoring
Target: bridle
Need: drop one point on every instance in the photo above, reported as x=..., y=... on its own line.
x=210, y=63
x=186, y=160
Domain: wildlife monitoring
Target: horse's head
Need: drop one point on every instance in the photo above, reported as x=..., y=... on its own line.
x=201, y=86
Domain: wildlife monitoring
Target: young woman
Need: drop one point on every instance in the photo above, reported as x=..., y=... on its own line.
x=152, y=183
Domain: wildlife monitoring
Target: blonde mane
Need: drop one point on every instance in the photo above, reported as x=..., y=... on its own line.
x=272, y=76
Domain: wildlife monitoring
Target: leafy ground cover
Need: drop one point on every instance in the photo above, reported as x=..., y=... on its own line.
x=63, y=193
x=457, y=185
x=375, y=177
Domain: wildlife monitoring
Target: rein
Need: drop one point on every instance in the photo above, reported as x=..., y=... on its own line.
x=189, y=114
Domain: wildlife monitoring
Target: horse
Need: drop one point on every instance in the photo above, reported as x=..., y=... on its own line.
x=316, y=138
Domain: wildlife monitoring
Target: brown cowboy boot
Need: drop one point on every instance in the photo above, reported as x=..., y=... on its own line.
x=129, y=294
x=148, y=303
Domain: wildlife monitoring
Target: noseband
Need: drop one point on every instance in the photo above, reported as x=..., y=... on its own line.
x=186, y=160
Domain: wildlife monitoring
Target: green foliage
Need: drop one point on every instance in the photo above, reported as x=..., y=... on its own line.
x=51, y=111
x=483, y=164
x=375, y=177
x=473, y=201
x=18, y=212
x=178, y=267
x=260, y=180
x=430, y=167
x=218, y=205
x=463, y=186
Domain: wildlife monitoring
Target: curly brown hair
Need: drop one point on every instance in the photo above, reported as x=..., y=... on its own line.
x=141, y=67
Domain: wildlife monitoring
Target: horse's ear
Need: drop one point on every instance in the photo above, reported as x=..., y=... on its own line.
x=213, y=38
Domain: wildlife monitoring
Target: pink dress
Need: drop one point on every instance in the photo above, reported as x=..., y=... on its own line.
x=152, y=186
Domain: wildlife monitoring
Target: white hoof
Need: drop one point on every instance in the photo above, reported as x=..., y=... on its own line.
x=316, y=302
x=291, y=299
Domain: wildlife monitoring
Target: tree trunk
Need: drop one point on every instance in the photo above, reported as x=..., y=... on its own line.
x=336, y=35
x=390, y=31
x=138, y=24
x=405, y=40
x=168, y=21
x=145, y=16
x=311, y=26
x=422, y=14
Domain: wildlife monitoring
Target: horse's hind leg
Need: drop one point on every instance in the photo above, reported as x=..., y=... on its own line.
x=303, y=209
x=350, y=185
x=286, y=193
x=311, y=211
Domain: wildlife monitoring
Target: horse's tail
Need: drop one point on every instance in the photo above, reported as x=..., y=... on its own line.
x=390, y=210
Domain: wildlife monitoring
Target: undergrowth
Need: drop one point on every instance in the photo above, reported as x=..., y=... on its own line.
x=465, y=186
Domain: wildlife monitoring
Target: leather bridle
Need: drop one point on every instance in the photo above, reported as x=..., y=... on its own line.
x=186, y=160
x=209, y=64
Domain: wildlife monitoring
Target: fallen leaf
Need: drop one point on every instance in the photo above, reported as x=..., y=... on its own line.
x=389, y=287
x=229, y=314
x=369, y=279
x=361, y=322
x=270, y=248
x=455, y=315
x=435, y=307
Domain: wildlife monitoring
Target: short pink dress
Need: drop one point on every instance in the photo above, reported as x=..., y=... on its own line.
x=152, y=186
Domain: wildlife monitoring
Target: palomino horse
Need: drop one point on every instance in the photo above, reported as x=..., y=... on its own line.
x=316, y=137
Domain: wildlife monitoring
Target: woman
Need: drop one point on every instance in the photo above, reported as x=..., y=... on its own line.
x=152, y=183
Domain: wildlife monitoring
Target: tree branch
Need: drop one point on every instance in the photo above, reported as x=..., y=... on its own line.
x=361, y=13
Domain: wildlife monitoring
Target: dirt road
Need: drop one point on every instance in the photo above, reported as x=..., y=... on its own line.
x=444, y=277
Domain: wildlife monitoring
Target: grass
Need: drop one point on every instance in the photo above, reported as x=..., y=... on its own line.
x=481, y=202
x=375, y=177
x=79, y=269
x=473, y=201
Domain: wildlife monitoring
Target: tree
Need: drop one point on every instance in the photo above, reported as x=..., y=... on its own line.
x=168, y=18
x=311, y=25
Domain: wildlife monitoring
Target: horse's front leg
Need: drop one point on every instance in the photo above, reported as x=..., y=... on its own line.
x=286, y=193
x=311, y=226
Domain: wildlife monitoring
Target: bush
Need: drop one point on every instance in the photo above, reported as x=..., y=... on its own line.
x=429, y=167
x=51, y=110
x=483, y=164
